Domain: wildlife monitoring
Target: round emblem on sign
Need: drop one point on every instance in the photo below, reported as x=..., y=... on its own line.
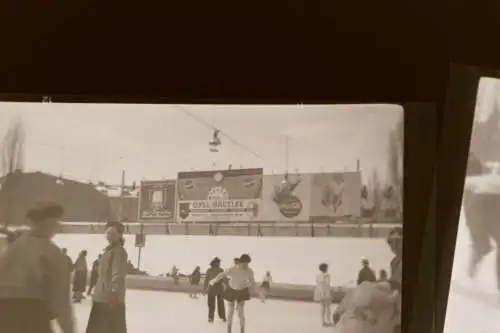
x=290, y=206
x=218, y=177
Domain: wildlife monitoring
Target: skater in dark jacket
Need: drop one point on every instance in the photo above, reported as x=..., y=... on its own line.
x=94, y=274
x=80, y=277
x=194, y=280
x=366, y=273
x=215, y=292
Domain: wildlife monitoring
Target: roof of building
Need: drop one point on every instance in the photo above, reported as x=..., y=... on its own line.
x=81, y=202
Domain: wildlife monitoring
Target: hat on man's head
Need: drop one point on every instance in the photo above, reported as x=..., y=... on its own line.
x=245, y=259
x=45, y=210
x=395, y=234
x=117, y=225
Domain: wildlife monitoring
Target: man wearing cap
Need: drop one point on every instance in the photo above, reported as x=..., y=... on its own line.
x=366, y=273
x=35, y=278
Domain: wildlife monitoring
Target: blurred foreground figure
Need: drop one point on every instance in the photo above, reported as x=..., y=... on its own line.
x=374, y=307
x=35, y=279
x=481, y=204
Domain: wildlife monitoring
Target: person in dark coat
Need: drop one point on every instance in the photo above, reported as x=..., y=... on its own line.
x=93, y=275
x=68, y=259
x=35, y=278
x=366, y=273
x=215, y=292
x=80, y=277
x=108, y=308
x=194, y=280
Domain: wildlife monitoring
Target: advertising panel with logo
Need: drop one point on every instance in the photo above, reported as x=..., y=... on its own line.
x=335, y=195
x=222, y=196
x=157, y=201
x=286, y=198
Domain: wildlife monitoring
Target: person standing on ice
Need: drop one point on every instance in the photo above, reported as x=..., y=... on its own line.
x=94, y=273
x=215, y=292
x=323, y=293
x=108, y=309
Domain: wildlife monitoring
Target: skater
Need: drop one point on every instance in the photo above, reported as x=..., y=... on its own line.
x=93, y=274
x=108, y=308
x=383, y=277
x=32, y=294
x=68, y=259
x=266, y=286
x=241, y=282
x=323, y=294
x=215, y=292
x=194, y=279
x=175, y=274
x=80, y=277
x=366, y=273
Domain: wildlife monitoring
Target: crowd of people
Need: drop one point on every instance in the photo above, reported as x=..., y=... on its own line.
x=35, y=278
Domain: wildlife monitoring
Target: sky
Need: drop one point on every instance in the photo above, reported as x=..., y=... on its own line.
x=94, y=142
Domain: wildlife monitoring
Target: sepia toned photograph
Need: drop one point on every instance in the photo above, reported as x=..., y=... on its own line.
x=131, y=218
x=475, y=279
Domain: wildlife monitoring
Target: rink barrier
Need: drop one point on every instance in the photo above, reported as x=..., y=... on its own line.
x=320, y=230
x=282, y=291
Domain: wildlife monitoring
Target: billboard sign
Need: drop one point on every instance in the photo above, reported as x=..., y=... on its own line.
x=223, y=196
x=336, y=195
x=157, y=200
x=286, y=198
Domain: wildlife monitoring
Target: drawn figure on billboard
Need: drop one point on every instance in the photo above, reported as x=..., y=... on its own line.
x=157, y=201
x=289, y=204
x=333, y=193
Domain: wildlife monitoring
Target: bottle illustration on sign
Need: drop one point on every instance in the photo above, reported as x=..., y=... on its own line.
x=333, y=193
x=289, y=204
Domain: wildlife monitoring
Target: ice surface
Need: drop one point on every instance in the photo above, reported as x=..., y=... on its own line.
x=152, y=312
x=290, y=260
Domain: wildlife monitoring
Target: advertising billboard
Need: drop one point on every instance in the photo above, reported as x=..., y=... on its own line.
x=219, y=196
x=335, y=195
x=286, y=198
x=157, y=201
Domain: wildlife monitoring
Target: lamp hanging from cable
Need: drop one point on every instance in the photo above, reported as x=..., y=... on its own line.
x=215, y=142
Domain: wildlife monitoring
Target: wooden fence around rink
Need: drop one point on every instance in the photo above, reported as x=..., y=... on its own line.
x=363, y=230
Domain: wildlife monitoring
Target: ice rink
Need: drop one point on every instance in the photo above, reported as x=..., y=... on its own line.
x=473, y=305
x=159, y=312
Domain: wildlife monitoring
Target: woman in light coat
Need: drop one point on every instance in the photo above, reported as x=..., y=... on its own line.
x=108, y=309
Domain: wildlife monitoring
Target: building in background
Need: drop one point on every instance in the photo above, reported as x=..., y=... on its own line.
x=81, y=202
